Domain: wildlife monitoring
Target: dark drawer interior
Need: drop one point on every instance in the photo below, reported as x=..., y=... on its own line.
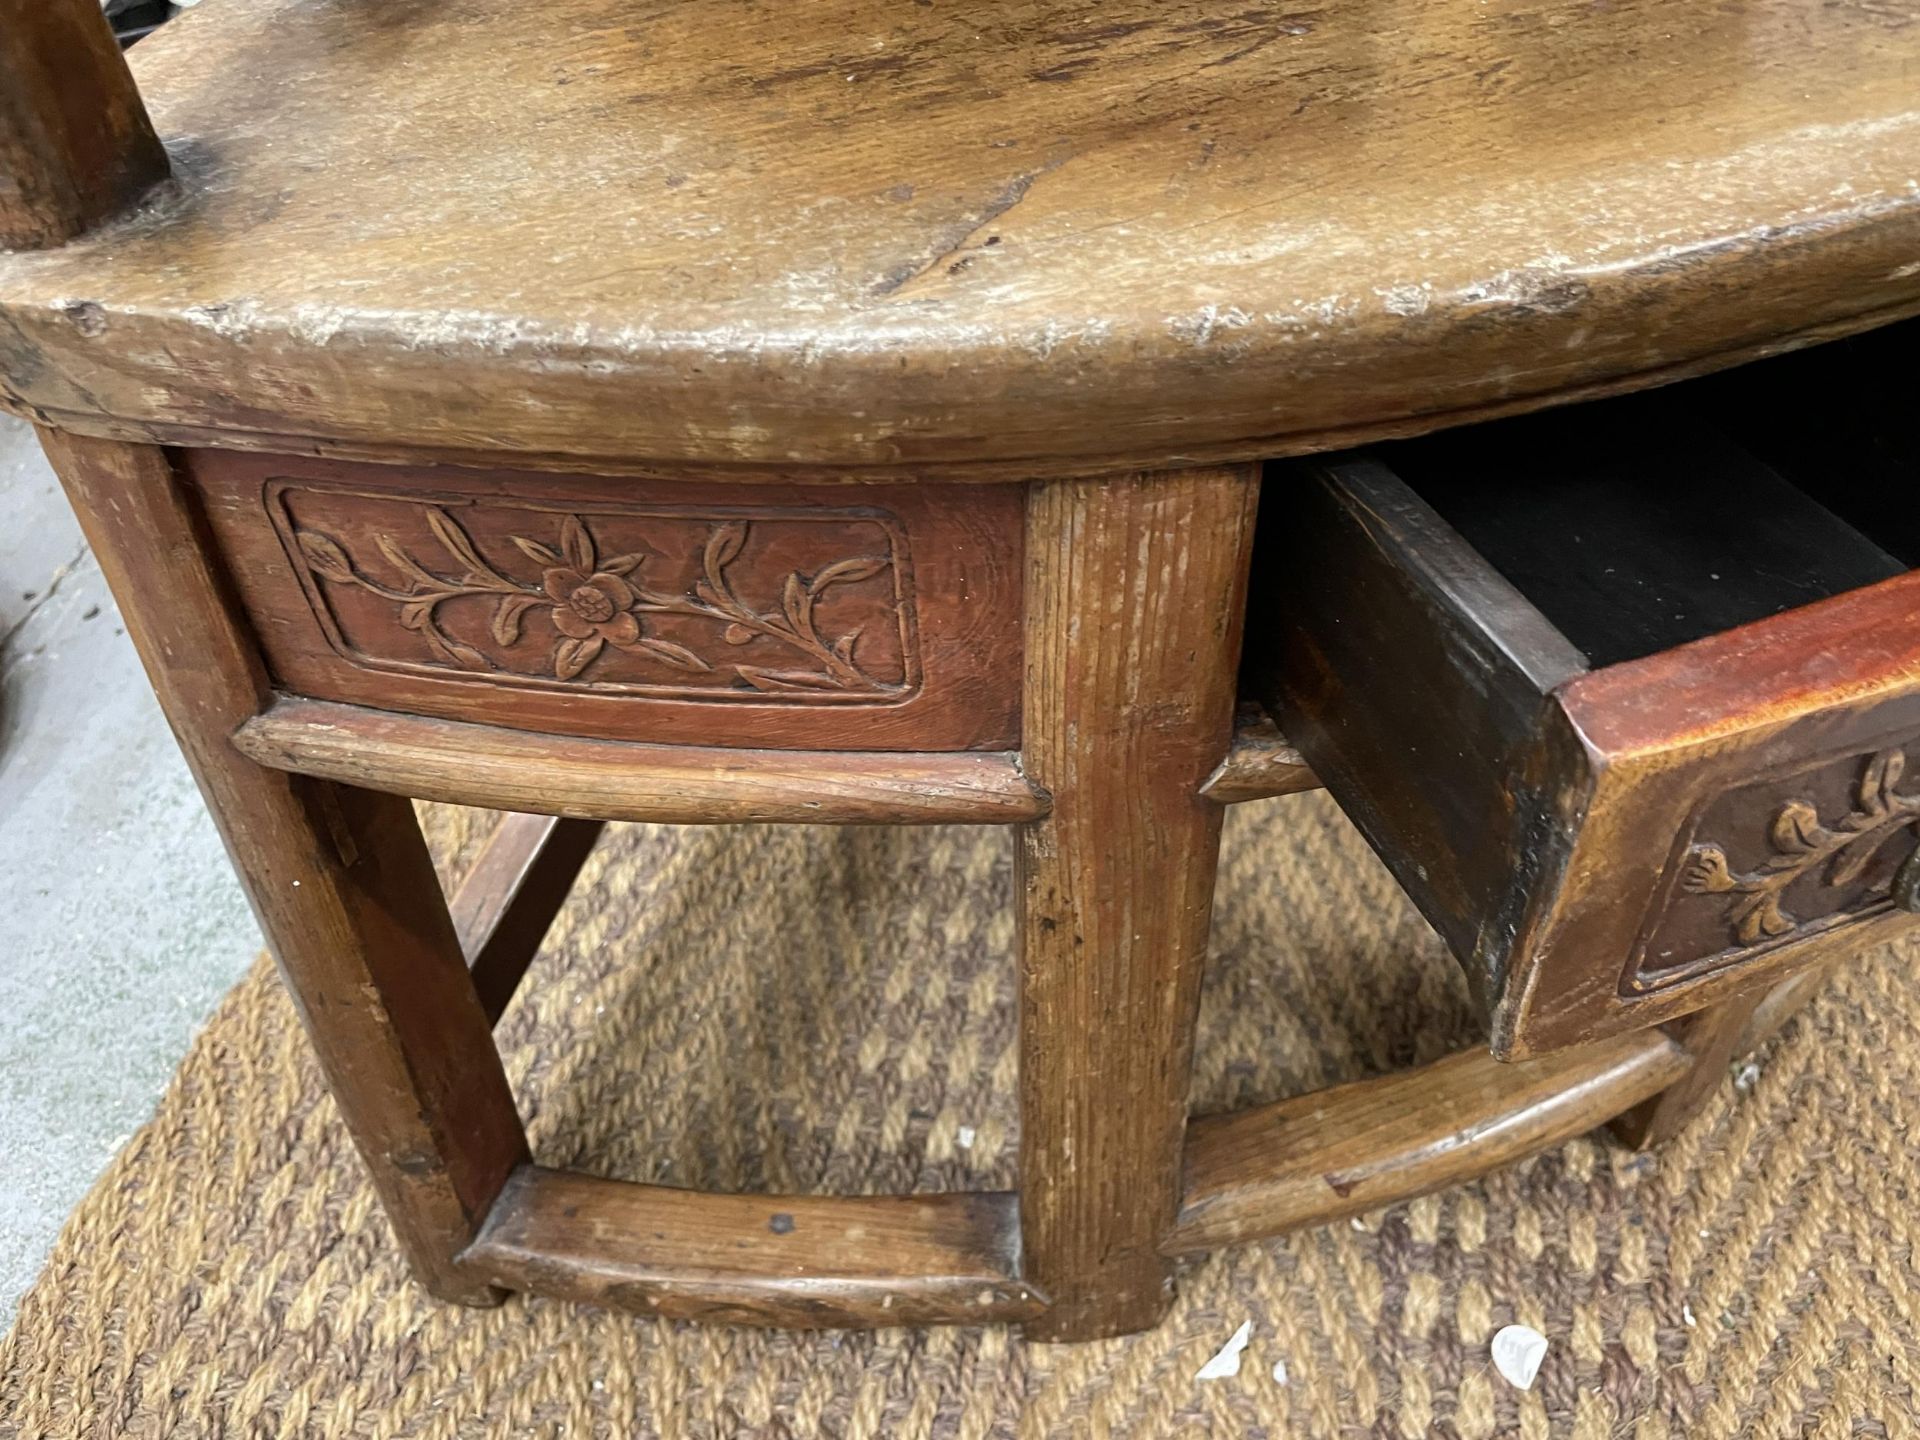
x=1657, y=528
x=1623, y=692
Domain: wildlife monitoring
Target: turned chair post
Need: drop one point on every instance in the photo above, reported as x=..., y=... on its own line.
x=76, y=146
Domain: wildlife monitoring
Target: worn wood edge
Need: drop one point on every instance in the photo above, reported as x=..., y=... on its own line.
x=385, y=447
x=504, y=906
x=1710, y=1039
x=1356, y=1147
x=803, y=1261
x=1259, y=764
x=1715, y=1037
x=500, y=769
x=1781, y=1004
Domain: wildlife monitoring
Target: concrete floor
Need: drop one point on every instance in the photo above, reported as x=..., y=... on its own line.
x=120, y=923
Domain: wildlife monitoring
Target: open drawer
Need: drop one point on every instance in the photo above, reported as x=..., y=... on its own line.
x=1616, y=692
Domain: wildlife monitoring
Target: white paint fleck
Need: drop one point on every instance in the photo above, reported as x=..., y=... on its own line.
x=1406, y=300
x=965, y=1137
x=1686, y=1314
x=1517, y=1353
x=1279, y=1372
x=1225, y=1363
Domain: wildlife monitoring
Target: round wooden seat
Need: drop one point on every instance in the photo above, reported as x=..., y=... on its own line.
x=1019, y=237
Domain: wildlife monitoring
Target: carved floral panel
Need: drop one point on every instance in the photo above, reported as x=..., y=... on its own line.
x=799, y=606
x=1785, y=858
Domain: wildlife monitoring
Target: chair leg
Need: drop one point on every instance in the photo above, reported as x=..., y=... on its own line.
x=1135, y=598
x=339, y=878
x=1711, y=1038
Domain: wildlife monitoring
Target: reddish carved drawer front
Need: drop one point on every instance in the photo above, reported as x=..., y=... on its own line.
x=839, y=617
x=1782, y=860
x=1631, y=747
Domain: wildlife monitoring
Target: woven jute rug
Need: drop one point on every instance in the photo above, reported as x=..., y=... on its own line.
x=830, y=1010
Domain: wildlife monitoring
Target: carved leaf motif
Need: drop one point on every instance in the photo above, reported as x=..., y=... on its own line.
x=456, y=541
x=1797, y=829
x=457, y=651
x=726, y=543
x=406, y=564
x=576, y=544
x=1761, y=918
x=673, y=654
x=507, y=616
x=761, y=679
x=1800, y=844
x=849, y=572
x=1882, y=773
x=594, y=606
x=570, y=657
x=1852, y=861
x=543, y=555
x=797, y=605
x=326, y=557
x=1707, y=871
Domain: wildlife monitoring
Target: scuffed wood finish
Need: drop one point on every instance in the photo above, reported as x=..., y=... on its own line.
x=856, y=617
x=76, y=147
x=1709, y=1039
x=794, y=1260
x=1412, y=677
x=1375, y=1142
x=508, y=899
x=1259, y=764
x=340, y=879
x=520, y=770
x=1019, y=235
x=1135, y=593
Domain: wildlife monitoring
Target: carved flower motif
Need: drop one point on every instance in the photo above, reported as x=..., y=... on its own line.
x=594, y=605
x=586, y=606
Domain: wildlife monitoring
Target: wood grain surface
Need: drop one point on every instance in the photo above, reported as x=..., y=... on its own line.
x=339, y=878
x=76, y=146
x=1260, y=763
x=1709, y=1038
x=1136, y=589
x=1375, y=1142
x=521, y=770
x=794, y=1260
x=1015, y=234
x=508, y=898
